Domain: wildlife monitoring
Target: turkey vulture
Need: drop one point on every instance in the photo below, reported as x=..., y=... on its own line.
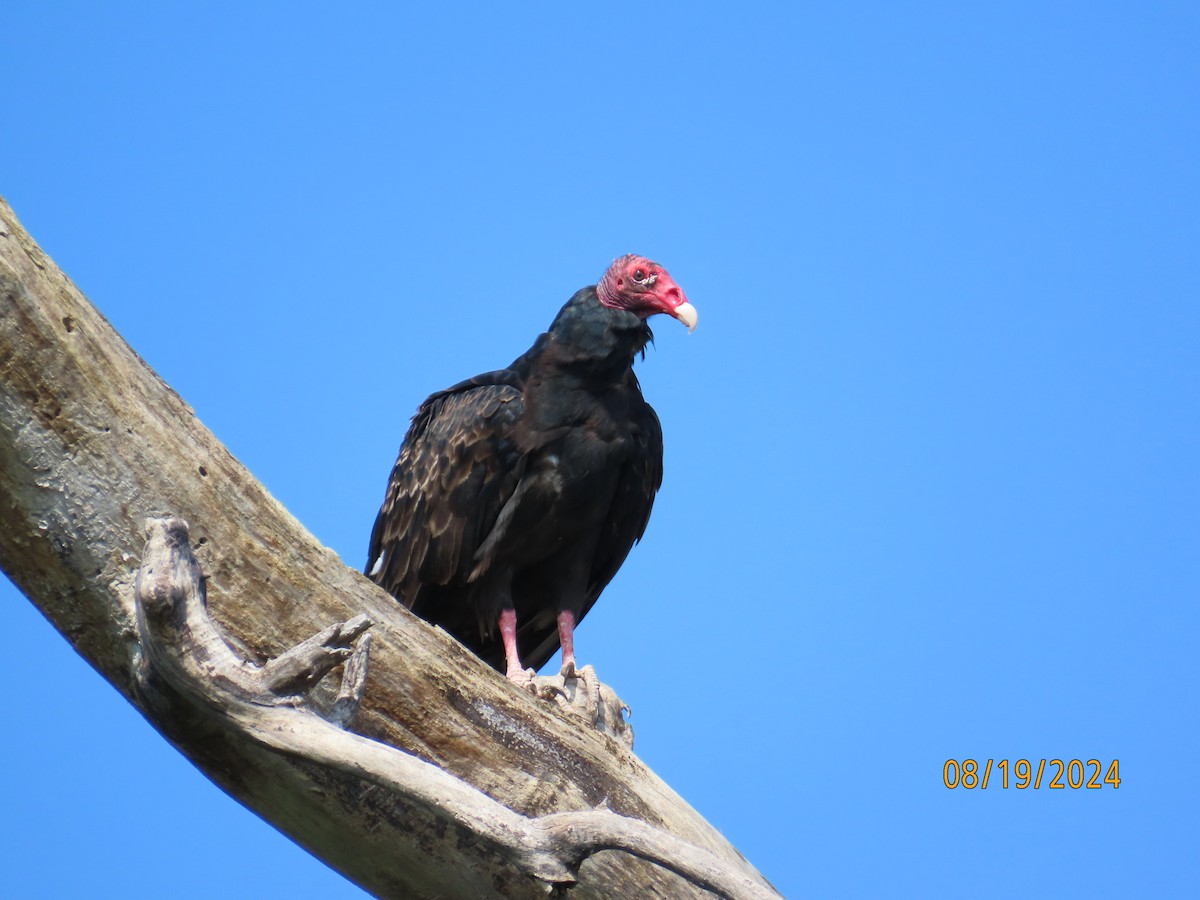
x=517, y=494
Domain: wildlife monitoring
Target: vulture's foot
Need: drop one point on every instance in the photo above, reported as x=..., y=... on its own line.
x=588, y=685
x=581, y=693
x=526, y=679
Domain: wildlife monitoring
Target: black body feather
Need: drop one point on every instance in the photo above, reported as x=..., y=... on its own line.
x=525, y=487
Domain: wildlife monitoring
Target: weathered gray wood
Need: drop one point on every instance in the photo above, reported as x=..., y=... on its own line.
x=184, y=656
x=92, y=442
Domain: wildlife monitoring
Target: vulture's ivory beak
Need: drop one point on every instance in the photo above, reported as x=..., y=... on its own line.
x=686, y=313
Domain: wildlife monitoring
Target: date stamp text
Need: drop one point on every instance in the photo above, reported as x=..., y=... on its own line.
x=1055, y=774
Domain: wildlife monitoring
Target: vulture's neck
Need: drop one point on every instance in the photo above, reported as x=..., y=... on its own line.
x=589, y=335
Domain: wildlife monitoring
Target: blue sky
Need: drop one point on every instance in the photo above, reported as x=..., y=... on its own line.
x=931, y=455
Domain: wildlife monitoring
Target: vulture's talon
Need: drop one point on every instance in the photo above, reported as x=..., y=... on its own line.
x=590, y=685
x=526, y=679
x=552, y=688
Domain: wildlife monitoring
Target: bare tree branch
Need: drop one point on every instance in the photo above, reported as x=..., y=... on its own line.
x=92, y=443
x=182, y=645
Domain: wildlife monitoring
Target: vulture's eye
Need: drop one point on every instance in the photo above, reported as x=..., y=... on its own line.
x=640, y=276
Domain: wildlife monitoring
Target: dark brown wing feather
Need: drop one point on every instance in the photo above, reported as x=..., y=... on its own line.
x=458, y=465
x=640, y=478
x=632, y=503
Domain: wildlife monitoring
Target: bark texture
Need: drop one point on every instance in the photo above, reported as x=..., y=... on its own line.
x=187, y=665
x=92, y=443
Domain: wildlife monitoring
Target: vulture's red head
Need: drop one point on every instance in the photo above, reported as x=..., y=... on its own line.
x=644, y=288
